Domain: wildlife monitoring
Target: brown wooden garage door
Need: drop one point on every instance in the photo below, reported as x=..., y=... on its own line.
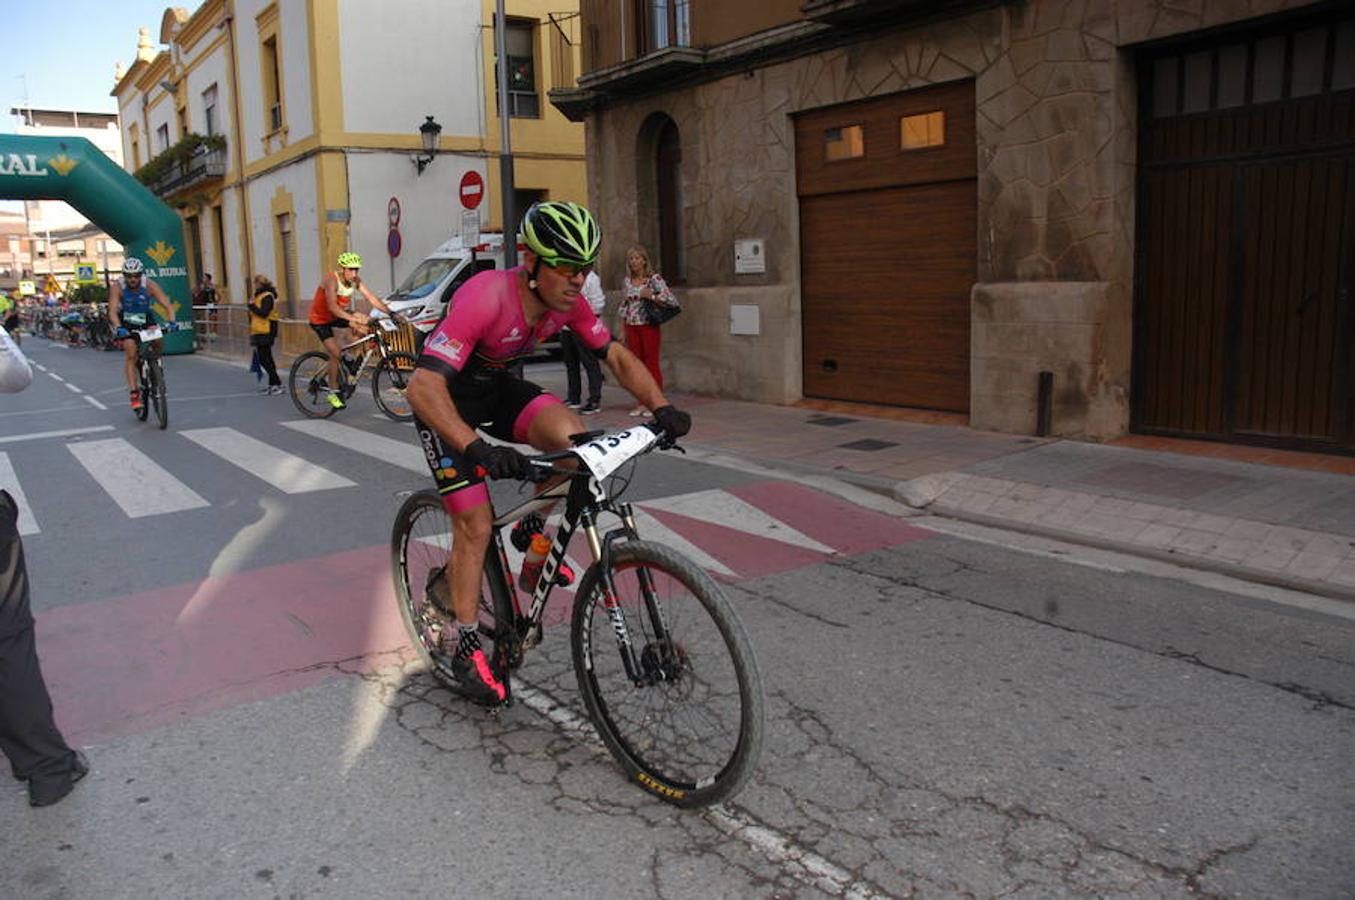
x=888, y=221
x=1245, y=317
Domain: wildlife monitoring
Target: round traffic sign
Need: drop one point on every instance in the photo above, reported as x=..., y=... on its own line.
x=393, y=212
x=472, y=189
x=393, y=243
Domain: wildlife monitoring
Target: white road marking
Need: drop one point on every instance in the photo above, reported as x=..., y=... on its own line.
x=651, y=529
x=135, y=482
x=800, y=863
x=94, y=402
x=405, y=454
x=722, y=508
x=64, y=432
x=73, y=388
x=9, y=481
x=284, y=471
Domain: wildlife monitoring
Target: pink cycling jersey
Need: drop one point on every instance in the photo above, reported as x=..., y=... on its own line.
x=485, y=328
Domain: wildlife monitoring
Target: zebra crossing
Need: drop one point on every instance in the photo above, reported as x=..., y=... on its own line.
x=734, y=532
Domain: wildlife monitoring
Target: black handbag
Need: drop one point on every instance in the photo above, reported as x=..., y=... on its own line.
x=658, y=313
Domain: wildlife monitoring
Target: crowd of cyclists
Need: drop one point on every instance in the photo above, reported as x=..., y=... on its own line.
x=77, y=324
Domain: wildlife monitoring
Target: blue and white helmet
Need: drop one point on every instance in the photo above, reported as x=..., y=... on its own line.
x=132, y=266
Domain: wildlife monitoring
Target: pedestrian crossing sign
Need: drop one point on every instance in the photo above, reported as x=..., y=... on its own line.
x=84, y=273
x=50, y=286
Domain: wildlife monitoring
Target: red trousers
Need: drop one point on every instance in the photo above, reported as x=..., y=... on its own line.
x=643, y=341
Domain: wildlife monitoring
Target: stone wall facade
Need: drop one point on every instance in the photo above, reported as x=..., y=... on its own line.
x=1056, y=90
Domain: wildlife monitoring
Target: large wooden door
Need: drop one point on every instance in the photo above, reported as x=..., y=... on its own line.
x=888, y=246
x=1244, y=313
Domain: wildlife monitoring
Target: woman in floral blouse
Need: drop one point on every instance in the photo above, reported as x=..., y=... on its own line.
x=642, y=336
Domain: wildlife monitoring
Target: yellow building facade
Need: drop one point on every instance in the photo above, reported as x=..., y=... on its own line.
x=286, y=132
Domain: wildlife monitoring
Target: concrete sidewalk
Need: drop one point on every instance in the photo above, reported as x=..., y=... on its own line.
x=1286, y=519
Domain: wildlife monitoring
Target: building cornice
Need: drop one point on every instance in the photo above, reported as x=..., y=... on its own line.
x=203, y=20
x=130, y=77
x=827, y=24
x=159, y=68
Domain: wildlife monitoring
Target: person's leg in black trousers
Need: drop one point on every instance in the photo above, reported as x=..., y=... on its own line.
x=576, y=354
x=592, y=366
x=28, y=734
x=266, y=361
x=569, y=351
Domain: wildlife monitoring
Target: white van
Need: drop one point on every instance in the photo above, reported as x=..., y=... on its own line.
x=422, y=298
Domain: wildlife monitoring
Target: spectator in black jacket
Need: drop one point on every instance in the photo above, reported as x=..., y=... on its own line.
x=263, y=330
x=37, y=752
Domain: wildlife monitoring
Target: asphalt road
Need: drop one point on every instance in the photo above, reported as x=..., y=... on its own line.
x=946, y=716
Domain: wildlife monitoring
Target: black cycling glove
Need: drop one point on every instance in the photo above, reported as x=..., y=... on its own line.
x=497, y=461
x=673, y=421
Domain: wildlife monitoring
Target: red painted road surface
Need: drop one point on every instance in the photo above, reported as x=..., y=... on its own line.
x=130, y=664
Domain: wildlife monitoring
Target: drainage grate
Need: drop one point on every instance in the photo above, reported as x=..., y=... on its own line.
x=830, y=420
x=868, y=444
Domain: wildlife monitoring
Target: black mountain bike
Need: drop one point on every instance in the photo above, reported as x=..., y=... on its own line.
x=150, y=370
x=666, y=671
x=390, y=373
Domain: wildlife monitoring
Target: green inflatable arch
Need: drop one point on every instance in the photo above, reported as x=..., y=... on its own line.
x=74, y=170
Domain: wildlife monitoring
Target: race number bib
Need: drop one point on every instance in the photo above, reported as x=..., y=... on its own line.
x=609, y=452
x=152, y=333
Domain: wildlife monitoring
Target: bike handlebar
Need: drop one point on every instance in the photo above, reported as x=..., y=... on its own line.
x=543, y=464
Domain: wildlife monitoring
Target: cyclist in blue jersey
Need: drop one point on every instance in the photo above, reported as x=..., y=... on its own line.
x=133, y=295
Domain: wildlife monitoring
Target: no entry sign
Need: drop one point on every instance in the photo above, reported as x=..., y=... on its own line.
x=472, y=189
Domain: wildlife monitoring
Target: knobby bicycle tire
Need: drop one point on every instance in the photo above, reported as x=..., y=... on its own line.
x=160, y=393
x=420, y=542
x=308, y=383
x=691, y=732
x=390, y=381
x=143, y=384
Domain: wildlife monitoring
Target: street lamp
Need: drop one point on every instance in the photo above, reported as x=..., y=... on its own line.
x=428, y=133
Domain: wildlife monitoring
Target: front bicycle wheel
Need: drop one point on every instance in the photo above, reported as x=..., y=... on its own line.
x=309, y=384
x=687, y=722
x=160, y=393
x=389, y=383
x=421, y=543
x=143, y=370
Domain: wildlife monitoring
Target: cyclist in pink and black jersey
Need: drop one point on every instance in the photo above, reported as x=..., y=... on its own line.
x=469, y=375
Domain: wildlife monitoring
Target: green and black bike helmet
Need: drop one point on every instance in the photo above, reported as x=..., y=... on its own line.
x=561, y=232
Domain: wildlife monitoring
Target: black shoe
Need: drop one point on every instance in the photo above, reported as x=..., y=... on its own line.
x=591, y=408
x=46, y=791
x=474, y=678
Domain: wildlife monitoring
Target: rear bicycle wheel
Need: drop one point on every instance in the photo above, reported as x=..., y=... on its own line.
x=143, y=370
x=421, y=543
x=688, y=727
x=308, y=383
x=159, y=392
x=390, y=381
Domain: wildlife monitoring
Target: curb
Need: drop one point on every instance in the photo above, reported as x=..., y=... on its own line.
x=1234, y=570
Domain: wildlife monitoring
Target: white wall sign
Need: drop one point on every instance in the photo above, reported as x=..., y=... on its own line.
x=470, y=227
x=749, y=258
